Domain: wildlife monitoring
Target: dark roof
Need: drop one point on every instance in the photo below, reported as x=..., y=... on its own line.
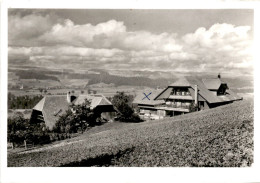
x=141, y=99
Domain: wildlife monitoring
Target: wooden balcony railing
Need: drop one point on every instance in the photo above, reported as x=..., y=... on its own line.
x=176, y=107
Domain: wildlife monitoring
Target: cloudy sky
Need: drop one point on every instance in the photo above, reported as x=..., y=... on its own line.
x=172, y=40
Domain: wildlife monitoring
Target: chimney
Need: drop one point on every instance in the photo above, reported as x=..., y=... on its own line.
x=196, y=95
x=68, y=97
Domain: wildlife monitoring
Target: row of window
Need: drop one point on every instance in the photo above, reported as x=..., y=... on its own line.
x=183, y=93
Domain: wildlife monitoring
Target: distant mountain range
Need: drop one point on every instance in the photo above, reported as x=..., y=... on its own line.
x=152, y=79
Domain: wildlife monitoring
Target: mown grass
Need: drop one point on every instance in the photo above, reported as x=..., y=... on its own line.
x=220, y=137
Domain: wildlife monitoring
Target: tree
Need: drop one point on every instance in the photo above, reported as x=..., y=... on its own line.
x=20, y=130
x=22, y=102
x=16, y=129
x=64, y=122
x=77, y=118
x=122, y=103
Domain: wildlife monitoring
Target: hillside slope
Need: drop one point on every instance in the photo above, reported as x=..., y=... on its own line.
x=218, y=137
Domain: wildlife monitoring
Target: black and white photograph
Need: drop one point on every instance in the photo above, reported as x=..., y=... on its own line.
x=130, y=87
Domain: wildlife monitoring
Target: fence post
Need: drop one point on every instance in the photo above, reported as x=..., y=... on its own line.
x=25, y=144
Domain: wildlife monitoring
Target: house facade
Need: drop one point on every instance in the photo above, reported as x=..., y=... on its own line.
x=51, y=107
x=183, y=95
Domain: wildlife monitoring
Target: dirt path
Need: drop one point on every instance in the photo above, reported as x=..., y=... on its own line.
x=50, y=146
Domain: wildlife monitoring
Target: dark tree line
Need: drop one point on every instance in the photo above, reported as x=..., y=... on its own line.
x=33, y=74
x=22, y=102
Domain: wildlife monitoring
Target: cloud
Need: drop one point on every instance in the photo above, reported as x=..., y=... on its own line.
x=110, y=34
x=82, y=35
x=24, y=31
x=220, y=45
x=45, y=39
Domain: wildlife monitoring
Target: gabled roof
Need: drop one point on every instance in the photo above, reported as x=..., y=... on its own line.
x=204, y=93
x=96, y=100
x=182, y=82
x=52, y=106
x=141, y=98
x=164, y=94
x=212, y=84
x=230, y=96
x=40, y=105
x=191, y=82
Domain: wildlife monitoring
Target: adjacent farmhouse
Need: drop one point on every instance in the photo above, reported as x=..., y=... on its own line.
x=51, y=107
x=184, y=95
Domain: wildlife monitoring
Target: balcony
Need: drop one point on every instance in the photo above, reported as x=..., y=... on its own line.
x=181, y=95
x=174, y=107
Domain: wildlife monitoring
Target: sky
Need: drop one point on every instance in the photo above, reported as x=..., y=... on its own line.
x=217, y=41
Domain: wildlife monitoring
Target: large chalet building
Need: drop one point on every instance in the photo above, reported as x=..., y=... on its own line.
x=49, y=109
x=178, y=97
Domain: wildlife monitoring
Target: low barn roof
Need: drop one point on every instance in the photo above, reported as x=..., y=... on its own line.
x=212, y=84
x=52, y=106
x=141, y=98
x=96, y=100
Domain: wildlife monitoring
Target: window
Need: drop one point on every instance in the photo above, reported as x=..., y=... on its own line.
x=222, y=89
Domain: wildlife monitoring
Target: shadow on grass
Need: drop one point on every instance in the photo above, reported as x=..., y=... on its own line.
x=103, y=160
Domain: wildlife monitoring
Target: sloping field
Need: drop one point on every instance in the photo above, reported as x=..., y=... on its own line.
x=218, y=137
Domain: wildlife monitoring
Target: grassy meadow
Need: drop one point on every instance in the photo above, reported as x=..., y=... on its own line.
x=220, y=137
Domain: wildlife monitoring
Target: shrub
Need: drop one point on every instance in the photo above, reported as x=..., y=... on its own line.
x=123, y=103
x=76, y=119
x=20, y=129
